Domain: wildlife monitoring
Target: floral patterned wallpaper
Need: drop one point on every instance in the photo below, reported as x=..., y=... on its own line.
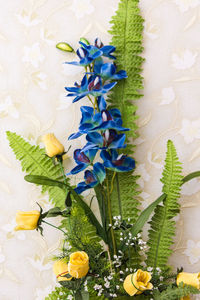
x=32, y=103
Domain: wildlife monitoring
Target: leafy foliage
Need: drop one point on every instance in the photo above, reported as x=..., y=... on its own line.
x=60, y=293
x=34, y=161
x=175, y=293
x=162, y=224
x=126, y=31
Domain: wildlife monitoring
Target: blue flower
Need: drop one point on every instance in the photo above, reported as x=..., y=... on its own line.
x=108, y=139
x=109, y=71
x=83, y=160
x=99, y=49
x=85, y=58
x=79, y=90
x=93, y=121
x=92, y=86
x=116, y=162
x=92, y=178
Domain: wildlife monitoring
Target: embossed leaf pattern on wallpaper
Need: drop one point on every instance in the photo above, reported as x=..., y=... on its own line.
x=33, y=102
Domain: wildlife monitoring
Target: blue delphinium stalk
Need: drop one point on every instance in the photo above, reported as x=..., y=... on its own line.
x=103, y=127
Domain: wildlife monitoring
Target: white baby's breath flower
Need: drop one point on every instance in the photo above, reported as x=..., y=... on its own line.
x=82, y=8
x=183, y=60
x=184, y=5
x=193, y=251
x=8, y=108
x=33, y=55
x=190, y=130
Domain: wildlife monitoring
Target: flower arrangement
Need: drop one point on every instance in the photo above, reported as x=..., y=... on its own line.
x=104, y=256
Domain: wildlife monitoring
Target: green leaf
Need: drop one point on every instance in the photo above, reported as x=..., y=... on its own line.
x=43, y=180
x=162, y=225
x=68, y=200
x=53, y=212
x=89, y=213
x=34, y=161
x=144, y=216
x=191, y=176
x=64, y=47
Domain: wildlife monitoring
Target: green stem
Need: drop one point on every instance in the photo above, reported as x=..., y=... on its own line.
x=110, y=217
x=118, y=197
x=62, y=171
x=65, y=182
x=53, y=226
x=112, y=183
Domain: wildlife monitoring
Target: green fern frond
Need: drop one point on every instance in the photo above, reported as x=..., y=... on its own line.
x=175, y=293
x=35, y=162
x=127, y=37
x=162, y=228
x=126, y=31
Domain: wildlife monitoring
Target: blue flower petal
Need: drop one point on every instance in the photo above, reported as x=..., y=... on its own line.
x=81, y=187
x=99, y=171
x=80, y=157
x=120, y=75
x=105, y=155
x=79, y=168
x=74, y=136
x=101, y=103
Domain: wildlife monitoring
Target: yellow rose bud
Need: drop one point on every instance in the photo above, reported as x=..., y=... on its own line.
x=135, y=284
x=60, y=269
x=192, y=279
x=52, y=145
x=27, y=220
x=78, y=264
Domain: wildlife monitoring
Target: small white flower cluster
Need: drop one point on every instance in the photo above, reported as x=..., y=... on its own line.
x=117, y=222
x=133, y=241
x=85, y=286
x=118, y=259
x=106, y=286
x=126, y=272
x=158, y=272
x=99, y=288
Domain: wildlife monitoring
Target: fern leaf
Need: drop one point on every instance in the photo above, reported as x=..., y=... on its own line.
x=35, y=162
x=174, y=293
x=126, y=31
x=162, y=228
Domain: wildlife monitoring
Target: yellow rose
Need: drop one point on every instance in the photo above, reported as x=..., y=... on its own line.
x=78, y=264
x=60, y=269
x=192, y=279
x=135, y=284
x=27, y=220
x=52, y=145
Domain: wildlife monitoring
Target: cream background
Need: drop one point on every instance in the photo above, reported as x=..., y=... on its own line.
x=32, y=103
